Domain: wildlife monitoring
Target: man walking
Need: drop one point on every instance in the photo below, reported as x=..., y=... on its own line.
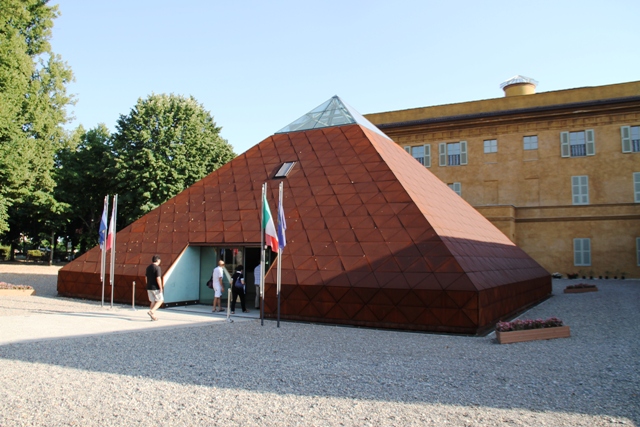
x=155, y=286
x=218, y=286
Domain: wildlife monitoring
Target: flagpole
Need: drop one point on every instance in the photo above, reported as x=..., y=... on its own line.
x=279, y=274
x=264, y=191
x=103, y=248
x=113, y=245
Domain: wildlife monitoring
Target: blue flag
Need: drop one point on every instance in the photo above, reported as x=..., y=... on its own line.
x=282, y=226
x=103, y=226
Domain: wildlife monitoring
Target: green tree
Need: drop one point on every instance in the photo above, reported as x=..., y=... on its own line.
x=165, y=144
x=83, y=178
x=33, y=103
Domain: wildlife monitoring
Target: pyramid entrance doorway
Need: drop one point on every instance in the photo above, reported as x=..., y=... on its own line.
x=185, y=281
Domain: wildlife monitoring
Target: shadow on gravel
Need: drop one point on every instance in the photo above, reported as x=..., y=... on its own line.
x=595, y=372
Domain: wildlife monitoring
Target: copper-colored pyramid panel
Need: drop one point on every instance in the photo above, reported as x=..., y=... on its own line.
x=374, y=239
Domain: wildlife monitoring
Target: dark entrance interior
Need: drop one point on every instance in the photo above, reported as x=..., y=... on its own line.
x=252, y=259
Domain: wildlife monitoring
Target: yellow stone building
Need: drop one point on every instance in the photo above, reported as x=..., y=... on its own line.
x=558, y=172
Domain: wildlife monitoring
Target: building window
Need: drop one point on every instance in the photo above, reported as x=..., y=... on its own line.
x=630, y=139
x=491, y=146
x=581, y=252
x=580, y=189
x=453, y=154
x=531, y=142
x=418, y=153
x=284, y=169
x=422, y=153
x=636, y=187
x=457, y=187
x=577, y=144
x=638, y=249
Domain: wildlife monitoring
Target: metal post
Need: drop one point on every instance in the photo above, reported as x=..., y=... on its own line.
x=279, y=271
x=103, y=251
x=229, y=307
x=133, y=297
x=113, y=246
x=262, y=255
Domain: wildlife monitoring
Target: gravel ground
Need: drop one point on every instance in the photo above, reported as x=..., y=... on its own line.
x=312, y=375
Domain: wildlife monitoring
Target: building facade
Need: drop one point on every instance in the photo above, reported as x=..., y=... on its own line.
x=557, y=172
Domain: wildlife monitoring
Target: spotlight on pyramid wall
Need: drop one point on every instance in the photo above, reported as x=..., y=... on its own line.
x=373, y=238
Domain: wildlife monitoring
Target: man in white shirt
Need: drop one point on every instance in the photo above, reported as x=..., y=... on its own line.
x=218, y=286
x=256, y=281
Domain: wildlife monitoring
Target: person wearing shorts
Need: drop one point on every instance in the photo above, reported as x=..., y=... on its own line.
x=218, y=286
x=155, y=286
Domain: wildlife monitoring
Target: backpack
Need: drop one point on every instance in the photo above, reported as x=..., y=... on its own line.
x=237, y=276
x=210, y=283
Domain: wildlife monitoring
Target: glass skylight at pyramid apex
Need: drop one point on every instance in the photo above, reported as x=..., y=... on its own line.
x=334, y=112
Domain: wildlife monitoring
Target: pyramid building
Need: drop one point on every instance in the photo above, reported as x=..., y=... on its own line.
x=373, y=238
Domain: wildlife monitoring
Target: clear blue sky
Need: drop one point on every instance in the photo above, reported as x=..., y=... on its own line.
x=259, y=65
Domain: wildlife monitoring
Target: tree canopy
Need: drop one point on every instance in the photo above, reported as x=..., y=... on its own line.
x=33, y=101
x=55, y=181
x=83, y=178
x=165, y=144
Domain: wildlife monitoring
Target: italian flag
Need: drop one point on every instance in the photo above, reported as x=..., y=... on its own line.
x=270, y=235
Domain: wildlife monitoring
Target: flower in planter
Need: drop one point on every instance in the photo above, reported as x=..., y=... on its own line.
x=523, y=325
x=5, y=285
x=580, y=286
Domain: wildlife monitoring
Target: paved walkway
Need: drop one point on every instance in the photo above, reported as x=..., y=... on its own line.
x=46, y=325
x=46, y=316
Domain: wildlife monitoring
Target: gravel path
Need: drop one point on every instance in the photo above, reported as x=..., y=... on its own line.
x=311, y=375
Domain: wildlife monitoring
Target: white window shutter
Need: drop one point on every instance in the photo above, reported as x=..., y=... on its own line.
x=586, y=251
x=590, y=141
x=565, y=150
x=584, y=189
x=457, y=187
x=442, y=152
x=407, y=148
x=575, y=189
x=625, y=132
x=636, y=186
x=463, y=152
x=427, y=155
x=577, y=251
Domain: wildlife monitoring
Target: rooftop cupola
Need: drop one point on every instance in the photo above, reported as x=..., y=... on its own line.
x=519, y=85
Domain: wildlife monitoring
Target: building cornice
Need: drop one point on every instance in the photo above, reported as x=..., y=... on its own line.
x=567, y=108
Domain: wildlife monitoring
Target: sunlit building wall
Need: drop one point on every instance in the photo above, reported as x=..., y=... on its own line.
x=557, y=172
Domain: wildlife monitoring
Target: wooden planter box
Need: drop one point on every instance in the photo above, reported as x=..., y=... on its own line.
x=580, y=290
x=17, y=292
x=533, y=335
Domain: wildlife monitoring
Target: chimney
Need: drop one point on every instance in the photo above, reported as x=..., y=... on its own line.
x=519, y=85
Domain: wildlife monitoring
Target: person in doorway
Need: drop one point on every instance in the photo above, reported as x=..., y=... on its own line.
x=238, y=289
x=218, y=286
x=256, y=282
x=155, y=286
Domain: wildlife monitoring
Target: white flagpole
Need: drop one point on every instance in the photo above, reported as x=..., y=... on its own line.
x=279, y=273
x=264, y=191
x=113, y=245
x=103, y=249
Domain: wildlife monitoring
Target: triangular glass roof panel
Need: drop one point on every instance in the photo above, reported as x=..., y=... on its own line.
x=334, y=112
